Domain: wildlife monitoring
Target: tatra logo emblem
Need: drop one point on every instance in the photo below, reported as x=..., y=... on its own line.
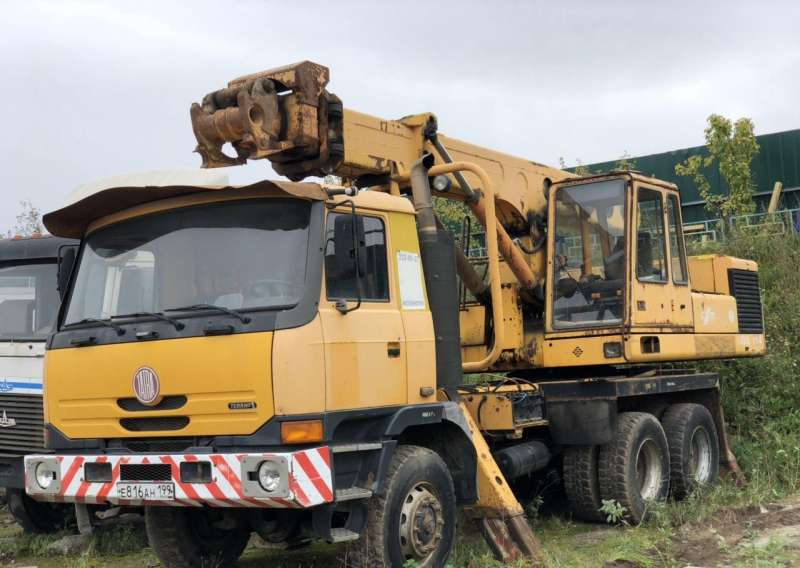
x=146, y=386
x=6, y=422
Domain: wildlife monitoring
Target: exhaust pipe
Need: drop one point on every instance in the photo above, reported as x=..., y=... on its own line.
x=438, y=263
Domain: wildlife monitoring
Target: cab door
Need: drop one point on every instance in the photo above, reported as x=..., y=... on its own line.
x=362, y=327
x=680, y=308
x=651, y=290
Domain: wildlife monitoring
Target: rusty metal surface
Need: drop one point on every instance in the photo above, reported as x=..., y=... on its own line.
x=283, y=114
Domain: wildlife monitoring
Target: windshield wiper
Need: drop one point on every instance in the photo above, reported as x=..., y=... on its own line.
x=96, y=321
x=203, y=307
x=155, y=315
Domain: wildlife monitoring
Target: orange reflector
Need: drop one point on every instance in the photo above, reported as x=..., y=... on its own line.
x=301, y=431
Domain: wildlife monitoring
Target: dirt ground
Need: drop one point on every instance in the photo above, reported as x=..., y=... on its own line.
x=759, y=536
x=752, y=536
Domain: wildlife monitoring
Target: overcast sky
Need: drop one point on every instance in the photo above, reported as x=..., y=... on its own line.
x=93, y=89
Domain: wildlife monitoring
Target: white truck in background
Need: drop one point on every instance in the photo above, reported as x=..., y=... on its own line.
x=29, y=303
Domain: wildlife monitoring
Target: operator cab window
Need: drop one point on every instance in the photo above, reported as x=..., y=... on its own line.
x=677, y=251
x=589, y=255
x=341, y=278
x=651, y=255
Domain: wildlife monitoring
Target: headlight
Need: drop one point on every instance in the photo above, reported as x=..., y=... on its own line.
x=269, y=476
x=442, y=183
x=45, y=474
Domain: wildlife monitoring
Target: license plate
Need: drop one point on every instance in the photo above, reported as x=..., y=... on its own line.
x=146, y=491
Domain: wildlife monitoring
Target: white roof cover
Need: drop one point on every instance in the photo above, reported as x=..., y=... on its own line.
x=164, y=178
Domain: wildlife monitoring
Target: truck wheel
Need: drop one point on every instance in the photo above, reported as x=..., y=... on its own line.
x=634, y=466
x=693, y=448
x=37, y=517
x=581, y=482
x=196, y=538
x=414, y=519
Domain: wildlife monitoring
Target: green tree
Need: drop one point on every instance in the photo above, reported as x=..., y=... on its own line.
x=29, y=220
x=732, y=147
x=625, y=163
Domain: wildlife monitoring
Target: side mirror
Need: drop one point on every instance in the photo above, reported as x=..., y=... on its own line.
x=66, y=262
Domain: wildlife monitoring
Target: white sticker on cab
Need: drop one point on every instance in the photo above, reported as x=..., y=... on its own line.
x=409, y=270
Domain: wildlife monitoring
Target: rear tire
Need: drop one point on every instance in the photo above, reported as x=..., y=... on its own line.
x=693, y=448
x=415, y=516
x=38, y=517
x=581, y=483
x=196, y=538
x=634, y=466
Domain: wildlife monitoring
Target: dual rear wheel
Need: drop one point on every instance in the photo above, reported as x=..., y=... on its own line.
x=647, y=461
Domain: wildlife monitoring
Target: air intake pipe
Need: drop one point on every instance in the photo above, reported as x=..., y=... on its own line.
x=438, y=263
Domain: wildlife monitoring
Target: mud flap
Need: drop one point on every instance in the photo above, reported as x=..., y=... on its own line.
x=498, y=513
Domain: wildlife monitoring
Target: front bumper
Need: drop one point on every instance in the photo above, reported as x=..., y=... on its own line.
x=305, y=474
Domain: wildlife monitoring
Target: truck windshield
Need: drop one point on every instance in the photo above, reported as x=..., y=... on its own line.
x=28, y=301
x=248, y=254
x=589, y=255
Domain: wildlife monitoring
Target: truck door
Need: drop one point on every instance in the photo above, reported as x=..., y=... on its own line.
x=362, y=326
x=651, y=290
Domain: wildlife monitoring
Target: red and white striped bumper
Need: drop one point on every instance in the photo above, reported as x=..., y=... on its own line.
x=306, y=479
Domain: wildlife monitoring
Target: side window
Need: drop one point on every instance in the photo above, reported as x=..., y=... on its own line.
x=341, y=278
x=676, y=249
x=651, y=253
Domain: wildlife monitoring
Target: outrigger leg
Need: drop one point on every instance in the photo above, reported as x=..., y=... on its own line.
x=498, y=512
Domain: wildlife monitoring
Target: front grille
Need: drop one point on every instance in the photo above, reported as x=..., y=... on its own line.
x=26, y=435
x=155, y=424
x=744, y=287
x=145, y=472
x=168, y=403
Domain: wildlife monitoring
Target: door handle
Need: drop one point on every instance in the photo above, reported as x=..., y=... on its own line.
x=393, y=349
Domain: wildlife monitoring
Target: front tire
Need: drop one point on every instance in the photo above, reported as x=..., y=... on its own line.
x=196, y=538
x=414, y=519
x=38, y=517
x=693, y=448
x=634, y=466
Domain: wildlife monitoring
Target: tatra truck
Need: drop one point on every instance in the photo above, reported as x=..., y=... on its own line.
x=29, y=301
x=310, y=361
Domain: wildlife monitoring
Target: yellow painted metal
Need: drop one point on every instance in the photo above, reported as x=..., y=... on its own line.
x=358, y=371
x=694, y=346
x=420, y=341
x=508, y=529
x=492, y=408
x=709, y=272
x=298, y=383
x=492, y=228
x=84, y=384
x=714, y=313
x=581, y=350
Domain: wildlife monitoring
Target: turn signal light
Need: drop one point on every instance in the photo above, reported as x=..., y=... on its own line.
x=301, y=431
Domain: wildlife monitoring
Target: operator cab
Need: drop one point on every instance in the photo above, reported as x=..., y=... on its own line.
x=617, y=235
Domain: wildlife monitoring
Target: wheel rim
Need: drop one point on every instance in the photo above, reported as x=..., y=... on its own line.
x=700, y=456
x=648, y=470
x=421, y=524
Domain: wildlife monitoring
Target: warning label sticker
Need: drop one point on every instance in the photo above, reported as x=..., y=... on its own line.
x=409, y=268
